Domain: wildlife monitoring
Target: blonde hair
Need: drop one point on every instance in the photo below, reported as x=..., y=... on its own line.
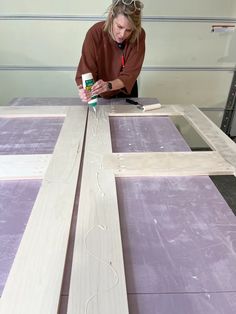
x=132, y=10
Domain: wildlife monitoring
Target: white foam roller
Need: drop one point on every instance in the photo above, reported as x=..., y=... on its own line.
x=151, y=107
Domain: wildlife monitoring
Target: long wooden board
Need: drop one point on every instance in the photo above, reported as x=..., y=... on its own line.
x=97, y=279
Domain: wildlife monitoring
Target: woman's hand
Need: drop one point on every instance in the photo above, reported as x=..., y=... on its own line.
x=99, y=87
x=84, y=94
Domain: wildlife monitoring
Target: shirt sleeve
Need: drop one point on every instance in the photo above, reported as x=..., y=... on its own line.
x=88, y=60
x=133, y=63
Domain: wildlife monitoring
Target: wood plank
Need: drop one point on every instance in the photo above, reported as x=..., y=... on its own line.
x=32, y=111
x=21, y=167
x=213, y=135
x=167, y=164
x=98, y=280
x=34, y=283
x=132, y=110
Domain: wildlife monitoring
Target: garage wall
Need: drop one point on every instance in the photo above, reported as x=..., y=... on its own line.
x=185, y=62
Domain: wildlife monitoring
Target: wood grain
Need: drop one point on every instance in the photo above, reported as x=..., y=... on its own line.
x=32, y=111
x=98, y=280
x=167, y=164
x=21, y=167
x=132, y=110
x=214, y=136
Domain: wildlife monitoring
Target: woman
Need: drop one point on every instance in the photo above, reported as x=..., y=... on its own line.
x=113, y=51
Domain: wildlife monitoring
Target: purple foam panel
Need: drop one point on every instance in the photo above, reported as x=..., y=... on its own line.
x=207, y=303
x=179, y=237
x=16, y=202
x=178, y=233
x=29, y=135
x=149, y=134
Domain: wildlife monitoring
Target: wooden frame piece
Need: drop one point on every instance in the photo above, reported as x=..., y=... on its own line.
x=35, y=279
x=32, y=111
x=21, y=167
x=213, y=135
x=97, y=278
x=167, y=164
x=220, y=143
x=97, y=281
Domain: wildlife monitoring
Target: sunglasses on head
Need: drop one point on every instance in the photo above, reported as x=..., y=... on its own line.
x=138, y=5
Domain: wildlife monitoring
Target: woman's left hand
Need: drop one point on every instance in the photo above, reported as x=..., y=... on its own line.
x=99, y=87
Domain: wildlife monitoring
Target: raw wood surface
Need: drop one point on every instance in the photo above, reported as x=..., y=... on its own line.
x=21, y=167
x=32, y=111
x=213, y=135
x=34, y=282
x=132, y=110
x=167, y=164
x=98, y=280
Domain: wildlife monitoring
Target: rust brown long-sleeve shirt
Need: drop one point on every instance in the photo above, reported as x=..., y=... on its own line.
x=103, y=58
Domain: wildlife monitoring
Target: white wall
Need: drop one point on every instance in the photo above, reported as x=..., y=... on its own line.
x=41, y=44
x=53, y=7
x=207, y=8
x=204, y=8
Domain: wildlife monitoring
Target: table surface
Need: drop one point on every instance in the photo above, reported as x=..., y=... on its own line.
x=74, y=101
x=178, y=233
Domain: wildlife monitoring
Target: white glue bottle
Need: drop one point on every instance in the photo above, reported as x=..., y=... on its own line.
x=88, y=81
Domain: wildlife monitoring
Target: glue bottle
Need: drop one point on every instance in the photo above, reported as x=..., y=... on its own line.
x=88, y=81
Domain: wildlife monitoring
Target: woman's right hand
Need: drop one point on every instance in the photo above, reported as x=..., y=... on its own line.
x=84, y=95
